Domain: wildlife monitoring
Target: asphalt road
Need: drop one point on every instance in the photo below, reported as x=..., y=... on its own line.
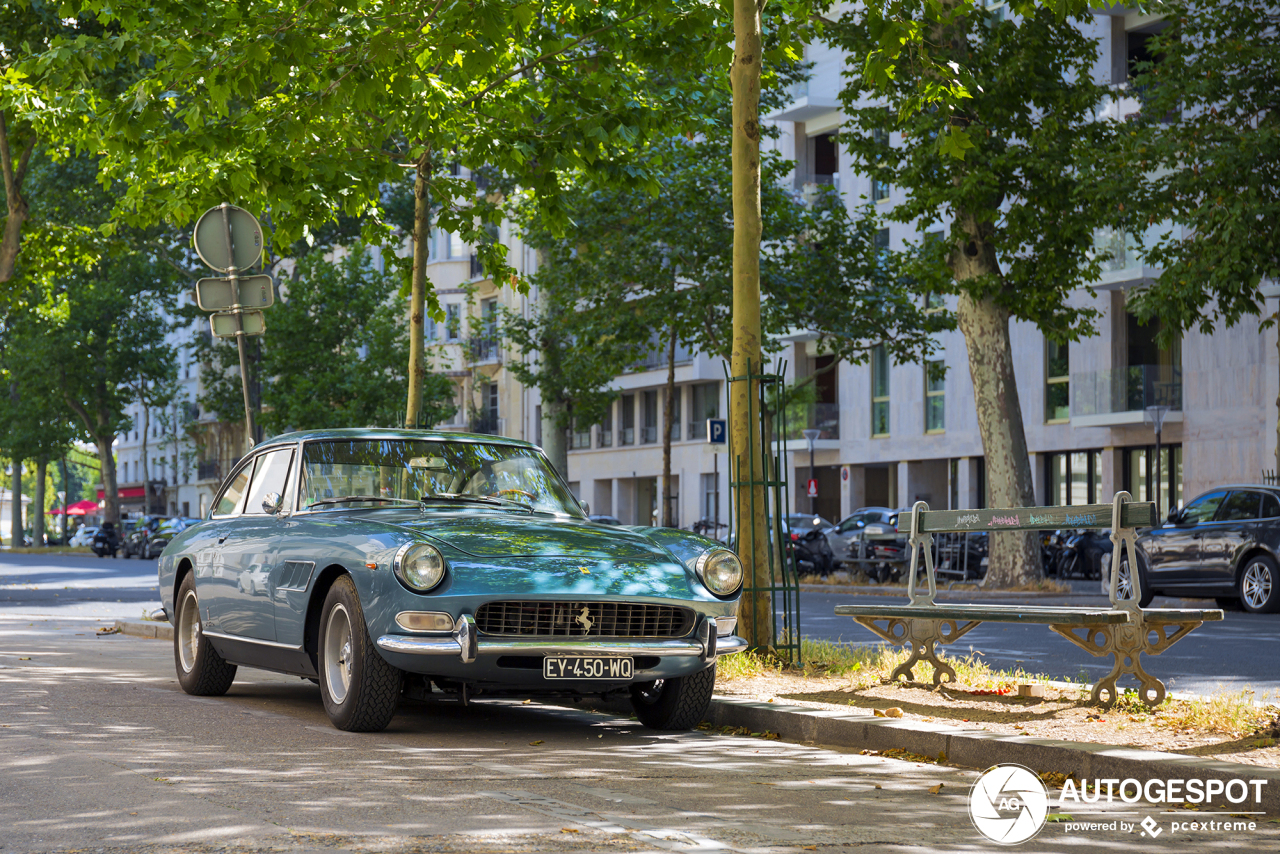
x=100, y=751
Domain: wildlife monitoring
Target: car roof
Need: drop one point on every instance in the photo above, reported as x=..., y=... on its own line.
x=390, y=433
x=1269, y=488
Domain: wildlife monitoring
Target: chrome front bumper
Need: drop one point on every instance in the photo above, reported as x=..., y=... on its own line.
x=707, y=644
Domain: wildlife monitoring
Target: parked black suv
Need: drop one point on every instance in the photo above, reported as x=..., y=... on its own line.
x=1221, y=545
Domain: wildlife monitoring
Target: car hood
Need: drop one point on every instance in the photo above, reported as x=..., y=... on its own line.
x=513, y=536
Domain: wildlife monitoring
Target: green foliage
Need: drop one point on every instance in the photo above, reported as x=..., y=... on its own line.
x=1035, y=176
x=334, y=354
x=1204, y=153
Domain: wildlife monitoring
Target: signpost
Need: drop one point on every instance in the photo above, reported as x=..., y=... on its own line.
x=229, y=240
x=717, y=438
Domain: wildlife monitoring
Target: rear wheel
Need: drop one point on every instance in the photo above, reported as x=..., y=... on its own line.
x=1124, y=589
x=201, y=670
x=678, y=703
x=1260, y=585
x=359, y=688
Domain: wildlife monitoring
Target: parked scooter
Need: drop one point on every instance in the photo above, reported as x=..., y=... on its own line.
x=106, y=541
x=1082, y=554
x=812, y=552
x=1051, y=545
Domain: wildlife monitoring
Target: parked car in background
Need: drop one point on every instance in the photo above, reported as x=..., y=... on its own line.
x=84, y=535
x=846, y=537
x=399, y=563
x=138, y=540
x=106, y=540
x=1223, y=544
x=603, y=519
x=167, y=530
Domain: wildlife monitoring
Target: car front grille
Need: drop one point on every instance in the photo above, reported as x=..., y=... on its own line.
x=584, y=619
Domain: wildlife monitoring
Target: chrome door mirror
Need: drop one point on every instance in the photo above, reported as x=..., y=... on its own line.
x=272, y=503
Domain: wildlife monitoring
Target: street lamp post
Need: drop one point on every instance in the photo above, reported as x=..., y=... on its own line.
x=811, y=435
x=1154, y=415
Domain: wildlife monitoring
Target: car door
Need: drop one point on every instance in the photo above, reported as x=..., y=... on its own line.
x=845, y=534
x=1174, y=549
x=1234, y=526
x=216, y=579
x=249, y=550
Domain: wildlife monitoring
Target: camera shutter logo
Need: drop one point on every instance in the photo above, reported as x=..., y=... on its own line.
x=1008, y=804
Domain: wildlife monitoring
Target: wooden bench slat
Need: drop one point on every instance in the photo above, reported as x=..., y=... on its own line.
x=992, y=613
x=1182, y=615
x=1134, y=514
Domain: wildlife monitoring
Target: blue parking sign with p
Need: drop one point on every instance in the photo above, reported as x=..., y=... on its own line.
x=717, y=431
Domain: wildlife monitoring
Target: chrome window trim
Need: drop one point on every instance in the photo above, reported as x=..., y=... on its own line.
x=250, y=459
x=276, y=644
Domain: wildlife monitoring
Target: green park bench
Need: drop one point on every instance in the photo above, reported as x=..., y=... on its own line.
x=1123, y=630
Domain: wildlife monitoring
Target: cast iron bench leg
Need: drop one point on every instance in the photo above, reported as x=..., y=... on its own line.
x=920, y=636
x=1127, y=643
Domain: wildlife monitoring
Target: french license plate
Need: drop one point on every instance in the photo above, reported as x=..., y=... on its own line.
x=583, y=667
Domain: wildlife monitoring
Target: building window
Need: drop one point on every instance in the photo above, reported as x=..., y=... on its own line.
x=879, y=187
x=1057, y=382
x=457, y=249
x=453, y=321
x=676, y=394
x=604, y=433
x=879, y=391
x=706, y=404
x=882, y=240
x=710, y=498
x=581, y=435
x=1073, y=478
x=935, y=396
x=491, y=407
x=1140, y=476
x=628, y=434
x=649, y=432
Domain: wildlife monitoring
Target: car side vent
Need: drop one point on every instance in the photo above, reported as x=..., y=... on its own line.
x=296, y=574
x=583, y=619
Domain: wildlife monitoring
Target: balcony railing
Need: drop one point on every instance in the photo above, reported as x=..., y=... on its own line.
x=487, y=349
x=648, y=435
x=824, y=417
x=215, y=469
x=1130, y=389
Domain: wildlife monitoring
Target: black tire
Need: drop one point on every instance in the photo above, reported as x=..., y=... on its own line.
x=1259, y=585
x=679, y=703
x=201, y=670
x=1229, y=603
x=1147, y=593
x=359, y=688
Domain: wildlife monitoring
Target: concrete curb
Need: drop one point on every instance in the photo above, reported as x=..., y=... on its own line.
x=980, y=749
x=145, y=629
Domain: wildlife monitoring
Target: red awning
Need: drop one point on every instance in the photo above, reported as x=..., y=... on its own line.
x=127, y=492
x=80, y=508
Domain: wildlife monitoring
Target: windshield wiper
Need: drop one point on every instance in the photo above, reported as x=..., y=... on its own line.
x=477, y=499
x=341, y=499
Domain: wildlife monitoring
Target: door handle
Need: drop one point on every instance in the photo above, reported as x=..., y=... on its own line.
x=222, y=539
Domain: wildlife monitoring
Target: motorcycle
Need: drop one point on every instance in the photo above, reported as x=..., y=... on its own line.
x=106, y=541
x=812, y=552
x=1051, y=545
x=1082, y=554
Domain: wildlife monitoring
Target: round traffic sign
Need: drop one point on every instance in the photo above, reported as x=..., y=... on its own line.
x=227, y=236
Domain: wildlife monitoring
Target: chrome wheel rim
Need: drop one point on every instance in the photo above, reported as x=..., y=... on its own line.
x=188, y=631
x=338, y=654
x=1256, y=585
x=1124, y=587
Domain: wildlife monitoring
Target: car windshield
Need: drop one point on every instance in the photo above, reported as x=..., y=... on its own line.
x=802, y=520
x=337, y=474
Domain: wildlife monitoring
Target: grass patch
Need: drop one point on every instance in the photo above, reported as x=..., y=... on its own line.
x=1224, y=712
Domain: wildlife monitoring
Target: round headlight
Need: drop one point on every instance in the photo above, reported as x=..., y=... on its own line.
x=420, y=567
x=721, y=571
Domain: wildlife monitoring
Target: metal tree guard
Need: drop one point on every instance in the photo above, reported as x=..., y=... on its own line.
x=752, y=470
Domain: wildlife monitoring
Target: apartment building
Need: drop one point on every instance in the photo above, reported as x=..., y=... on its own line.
x=893, y=434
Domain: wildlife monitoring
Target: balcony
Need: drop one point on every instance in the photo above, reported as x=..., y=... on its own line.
x=486, y=349
x=656, y=359
x=1120, y=256
x=824, y=417
x=1118, y=396
x=804, y=105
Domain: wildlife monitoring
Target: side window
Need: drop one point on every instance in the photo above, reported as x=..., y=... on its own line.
x=1238, y=507
x=271, y=475
x=853, y=522
x=230, y=499
x=1270, y=506
x=1202, y=508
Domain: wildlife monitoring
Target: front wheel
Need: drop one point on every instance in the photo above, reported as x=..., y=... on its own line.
x=1260, y=585
x=678, y=703
x=1124, y=588
x=201, y=670
x=359, y=688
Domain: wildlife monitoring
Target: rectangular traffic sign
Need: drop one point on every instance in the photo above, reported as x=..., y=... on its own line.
x=224, y=323
x=216, y=294
x=717, y=431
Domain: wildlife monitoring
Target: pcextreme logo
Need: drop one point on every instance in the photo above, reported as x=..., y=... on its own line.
x=1008, y=804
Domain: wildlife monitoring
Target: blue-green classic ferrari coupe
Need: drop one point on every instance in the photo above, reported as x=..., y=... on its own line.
x=391, y=563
